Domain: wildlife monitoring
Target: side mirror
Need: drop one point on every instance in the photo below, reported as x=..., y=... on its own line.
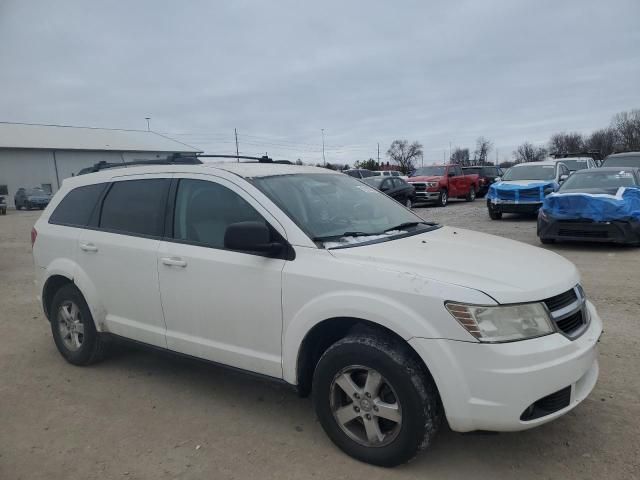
x=497, y=179
x=250, y=237
x=563, y=178
x=452, y=173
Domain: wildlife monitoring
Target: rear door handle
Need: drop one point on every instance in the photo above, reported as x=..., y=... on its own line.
x=174, y=262
x=88, y=247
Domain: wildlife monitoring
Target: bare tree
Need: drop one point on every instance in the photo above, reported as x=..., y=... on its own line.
x=404, y=154
x=528, y=152
x=562, y=142
x=370, y=164
x=481, y=154
x=627, y=125
x=603, y=140
x=460, y=156
x=298, y=162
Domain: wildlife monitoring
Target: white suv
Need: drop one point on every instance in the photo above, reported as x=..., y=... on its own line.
x=312, y=277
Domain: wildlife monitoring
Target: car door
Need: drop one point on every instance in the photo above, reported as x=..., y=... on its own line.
x=220, y=304
x=455, y=181
x=119, y=257
x=399, y=191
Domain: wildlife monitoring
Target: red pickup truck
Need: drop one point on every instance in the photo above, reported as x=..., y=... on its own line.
x=438, y=183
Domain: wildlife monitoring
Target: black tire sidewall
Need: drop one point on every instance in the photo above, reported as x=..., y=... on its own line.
x=413, y=429
x=85, y=353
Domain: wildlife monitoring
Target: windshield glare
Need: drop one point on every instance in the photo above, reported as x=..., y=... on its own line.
x=531, y=172
x=326, y=205
x=598, y=179
x=429, y=172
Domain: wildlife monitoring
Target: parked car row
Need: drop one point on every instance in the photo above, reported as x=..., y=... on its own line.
x=590, y=203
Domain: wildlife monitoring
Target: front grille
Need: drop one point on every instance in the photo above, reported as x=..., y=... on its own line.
x=571, y=323
x=570, y=232
x=568, y=320
x=530, y=195
x=420, y=187
x=562, y=300
x=548, y=405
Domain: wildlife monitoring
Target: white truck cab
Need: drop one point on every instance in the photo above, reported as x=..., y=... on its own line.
x=313, y=278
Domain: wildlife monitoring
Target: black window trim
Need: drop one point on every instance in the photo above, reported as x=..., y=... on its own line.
x=287, y=253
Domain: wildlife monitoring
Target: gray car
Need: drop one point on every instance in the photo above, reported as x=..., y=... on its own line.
x=29, y=198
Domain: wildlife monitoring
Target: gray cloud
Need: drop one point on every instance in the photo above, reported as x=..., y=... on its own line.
x=367, y=72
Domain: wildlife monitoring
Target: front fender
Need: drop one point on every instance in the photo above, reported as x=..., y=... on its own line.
x=384, y=311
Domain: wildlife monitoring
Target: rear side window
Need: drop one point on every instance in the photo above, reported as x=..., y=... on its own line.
x=76, y=207
x=136, y=207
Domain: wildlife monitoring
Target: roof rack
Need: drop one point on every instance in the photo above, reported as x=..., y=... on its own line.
x=595, y=154
x=102, y=165
x=176, y=159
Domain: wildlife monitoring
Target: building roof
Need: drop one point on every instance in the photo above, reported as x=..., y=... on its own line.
x=65, y=137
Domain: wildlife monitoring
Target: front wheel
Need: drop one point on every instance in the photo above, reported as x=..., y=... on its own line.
x=408, y=203
x=443, y=198
x=375, y=401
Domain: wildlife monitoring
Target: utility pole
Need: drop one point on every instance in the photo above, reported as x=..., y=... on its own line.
x=148, y=126
x=235, y=132
x=496, y=157
x=449, y=152
x=324, y=160
x=378, y=153
x=422, y=159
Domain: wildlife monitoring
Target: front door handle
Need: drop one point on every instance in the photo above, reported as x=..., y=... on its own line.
x=174, y=262
x=88, y=247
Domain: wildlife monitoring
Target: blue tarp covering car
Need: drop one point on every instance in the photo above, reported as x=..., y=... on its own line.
x=520, y=193
x=624, y=205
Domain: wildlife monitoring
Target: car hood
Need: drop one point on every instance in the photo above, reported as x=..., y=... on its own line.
x=506, y=270
x=424, y=179
x=523, y=183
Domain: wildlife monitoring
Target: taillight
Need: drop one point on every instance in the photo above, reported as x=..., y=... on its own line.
x=34, y=235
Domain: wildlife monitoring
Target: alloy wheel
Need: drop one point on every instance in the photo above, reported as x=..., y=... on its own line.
x=70, y=325
x=365, y=406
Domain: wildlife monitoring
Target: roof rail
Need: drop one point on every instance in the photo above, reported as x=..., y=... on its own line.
x=172, y=160
x=595, y=154
x=262, y=159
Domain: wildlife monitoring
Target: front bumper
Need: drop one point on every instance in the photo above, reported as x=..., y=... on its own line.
x=615, y=231
x=427, y=196
x=491, y=386
x=506, y=206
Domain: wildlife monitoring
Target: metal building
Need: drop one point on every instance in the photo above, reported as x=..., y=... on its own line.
x=33, y=155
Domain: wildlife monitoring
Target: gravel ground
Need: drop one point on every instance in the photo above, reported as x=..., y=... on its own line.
x=149, y=415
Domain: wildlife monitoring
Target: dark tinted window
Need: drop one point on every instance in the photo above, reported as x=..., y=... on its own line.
x=76, y=207
x=205, y=209
x=135, y=206
x=622, y=161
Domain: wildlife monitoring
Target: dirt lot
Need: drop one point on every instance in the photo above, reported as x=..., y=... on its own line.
x=149, y=415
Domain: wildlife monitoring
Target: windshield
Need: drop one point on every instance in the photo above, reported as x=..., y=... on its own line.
x=531, y=172
x=36, y=191
x=329, y=206
x=626, y=161
x=575, y=165
x=596, y=178
x=432, y=171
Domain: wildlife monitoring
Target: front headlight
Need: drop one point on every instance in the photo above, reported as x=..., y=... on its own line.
x=432, y=184
x=503, y=323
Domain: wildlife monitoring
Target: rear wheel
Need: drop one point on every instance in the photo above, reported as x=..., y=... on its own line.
x=74, y=332
x=408, y=203
x=374, y=400
x=443, y=198
x=471, y=196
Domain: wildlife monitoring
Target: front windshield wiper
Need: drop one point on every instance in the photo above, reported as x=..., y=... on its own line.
x=407, y=225
x=340, y=235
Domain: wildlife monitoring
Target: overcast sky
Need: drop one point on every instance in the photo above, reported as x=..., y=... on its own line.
x=366, y=72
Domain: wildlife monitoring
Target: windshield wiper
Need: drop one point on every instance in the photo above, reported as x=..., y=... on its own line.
x=340, y=235
x=406, y=225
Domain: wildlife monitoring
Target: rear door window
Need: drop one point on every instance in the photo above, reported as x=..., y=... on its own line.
x=76, y=207
x=136, y=207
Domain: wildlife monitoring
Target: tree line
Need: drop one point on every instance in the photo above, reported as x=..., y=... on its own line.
x=622, y=135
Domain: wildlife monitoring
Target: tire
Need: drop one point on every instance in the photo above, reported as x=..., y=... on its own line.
x=493, y=213
x=547, y=241
x=471, y=196
x=84, y=345
x=27, y=206
x=408, y=203
x=404, y=383
x=443, y=198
